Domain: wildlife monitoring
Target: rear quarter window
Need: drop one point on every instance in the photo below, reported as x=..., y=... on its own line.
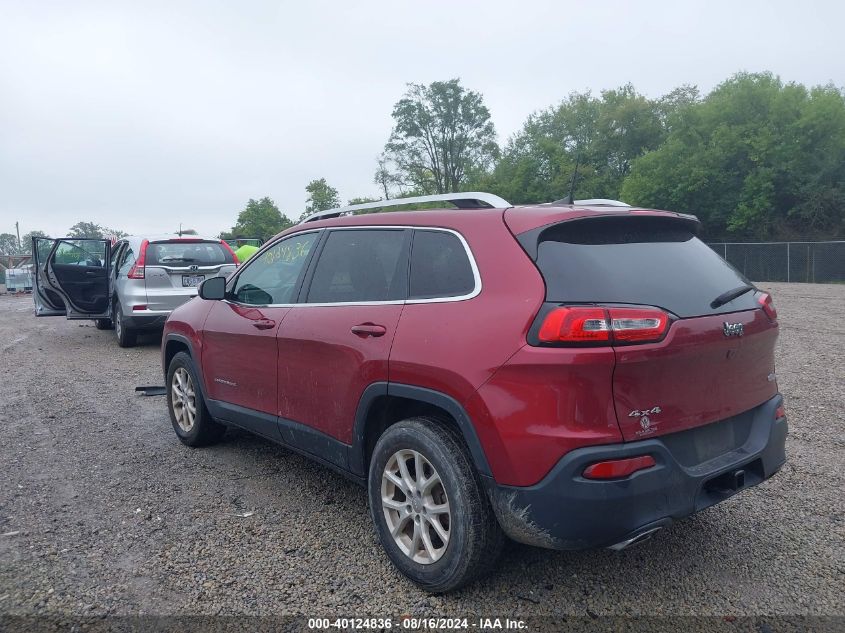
x=127, y=260
x=636, y=260
x=440, y=267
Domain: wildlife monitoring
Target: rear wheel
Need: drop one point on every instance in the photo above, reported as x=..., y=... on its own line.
x=429, y=508
x=126, y=336
x=188, y=414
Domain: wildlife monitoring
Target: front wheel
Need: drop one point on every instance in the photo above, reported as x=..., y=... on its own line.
x=188, y=414
x=430, y=510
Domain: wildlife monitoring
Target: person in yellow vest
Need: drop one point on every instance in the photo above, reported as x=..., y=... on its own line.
x=245, y=252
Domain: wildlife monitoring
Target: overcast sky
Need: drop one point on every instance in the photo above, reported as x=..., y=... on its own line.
x=142, y=115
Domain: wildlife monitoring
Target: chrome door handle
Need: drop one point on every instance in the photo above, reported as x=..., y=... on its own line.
x=368, y=329
x=264, y=324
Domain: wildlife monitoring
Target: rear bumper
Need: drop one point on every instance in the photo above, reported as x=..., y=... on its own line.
x=146, y=319
x=694, y=470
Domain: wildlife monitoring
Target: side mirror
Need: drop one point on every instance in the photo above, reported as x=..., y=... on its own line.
x=213, y=289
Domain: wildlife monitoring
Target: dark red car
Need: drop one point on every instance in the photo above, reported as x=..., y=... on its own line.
x=569, y=375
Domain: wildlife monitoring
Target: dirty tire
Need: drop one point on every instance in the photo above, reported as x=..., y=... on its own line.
x=204, y=430
x=475, y=539
x=126, y=336
x=103, y=324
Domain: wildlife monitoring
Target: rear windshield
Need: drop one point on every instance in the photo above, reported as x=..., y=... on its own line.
x=188, y=254
x=639, y=260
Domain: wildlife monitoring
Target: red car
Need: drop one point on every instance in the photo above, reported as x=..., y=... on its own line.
x=567, y=375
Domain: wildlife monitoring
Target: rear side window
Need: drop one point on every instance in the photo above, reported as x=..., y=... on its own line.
x=127, y=260
x=439, y=266
x=636, y=260
x=188, y=254
x=360, y=266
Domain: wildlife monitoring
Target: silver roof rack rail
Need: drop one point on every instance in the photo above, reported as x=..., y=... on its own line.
x=464, y=200
x=601, y=202
x=591, y=202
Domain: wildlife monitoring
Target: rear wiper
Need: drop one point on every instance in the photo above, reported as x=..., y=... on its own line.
x=730, y=295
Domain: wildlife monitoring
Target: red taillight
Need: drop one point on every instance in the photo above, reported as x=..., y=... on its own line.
x=137, y=270
x=139, y=307
x=765, y=301
x=229, y=248
x=587, y=324
x=618, y=468
x=780, y=412
x=575, y=325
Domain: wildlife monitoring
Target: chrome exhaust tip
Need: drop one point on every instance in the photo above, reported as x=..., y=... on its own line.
x=634, y=540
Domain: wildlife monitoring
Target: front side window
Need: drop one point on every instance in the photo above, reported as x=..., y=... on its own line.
x=272, y=277
x=91, y=253
x=42, y=248
x=360, y=266
x=440, y=266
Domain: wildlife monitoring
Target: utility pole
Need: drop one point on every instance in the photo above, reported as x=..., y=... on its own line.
x=18, y=231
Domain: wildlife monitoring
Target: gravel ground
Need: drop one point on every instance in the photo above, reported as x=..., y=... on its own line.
x=103, y=511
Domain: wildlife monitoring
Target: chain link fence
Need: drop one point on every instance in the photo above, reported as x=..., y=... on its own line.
x=806, y=262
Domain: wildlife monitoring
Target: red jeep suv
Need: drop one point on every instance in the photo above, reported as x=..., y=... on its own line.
x=567, y=375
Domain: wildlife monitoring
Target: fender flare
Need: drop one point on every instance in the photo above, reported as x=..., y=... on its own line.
x=420, y=394
x=181, y=338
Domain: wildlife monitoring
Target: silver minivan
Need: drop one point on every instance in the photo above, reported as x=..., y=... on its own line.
x=131, y=285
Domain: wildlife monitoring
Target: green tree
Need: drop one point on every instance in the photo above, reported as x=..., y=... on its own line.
x=86, y=229
x=602, y=135
x=9, y=244
x=91, y=230
x=26, y=241
x=675, y=107
x=321, y=196
x=755, y=159
x=387, y=178
x=442, y=133
x=260, y=219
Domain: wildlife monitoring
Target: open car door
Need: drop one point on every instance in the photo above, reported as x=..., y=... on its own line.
x=72, y=277
x=47, y=302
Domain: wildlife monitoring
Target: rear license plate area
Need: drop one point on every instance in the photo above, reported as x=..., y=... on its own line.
x=192, y=281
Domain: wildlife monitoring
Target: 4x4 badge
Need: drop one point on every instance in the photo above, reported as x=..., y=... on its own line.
x=645, y=420
x=636, y=413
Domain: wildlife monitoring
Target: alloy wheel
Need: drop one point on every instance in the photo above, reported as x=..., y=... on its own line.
x=415, y=506
x=183, y=399
x=118, y=322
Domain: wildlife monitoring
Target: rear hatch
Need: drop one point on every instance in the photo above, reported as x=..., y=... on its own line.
x=174, y=268
x=692, y=340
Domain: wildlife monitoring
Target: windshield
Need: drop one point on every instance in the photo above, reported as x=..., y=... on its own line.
x=637, y=260
x=188, y=254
